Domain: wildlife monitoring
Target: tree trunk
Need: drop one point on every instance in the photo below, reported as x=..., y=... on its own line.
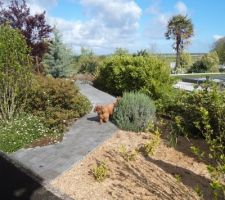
x=178, y=41
x=177, y=66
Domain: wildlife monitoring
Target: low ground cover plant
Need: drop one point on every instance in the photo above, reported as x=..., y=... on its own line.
x=134, y=112
x=21, y=131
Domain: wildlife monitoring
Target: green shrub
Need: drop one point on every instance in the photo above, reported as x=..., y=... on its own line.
x=178, y=177
x=190, y=108
x=197, y=152
x=88, y=64
x=100, y=172
x=125, y=73
x=198, y=190
x=127, y=154
x=56, y=100
x=149, y=148
x=219, y=47
x=208, y=63
x=134, y=112
x=202, y=114
x=168, y=103
x=21, y=131
x=15, y=71
x=185, y=62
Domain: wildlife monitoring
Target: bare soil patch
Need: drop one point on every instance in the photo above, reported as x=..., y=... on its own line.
x=152, y=177
x=44, y=141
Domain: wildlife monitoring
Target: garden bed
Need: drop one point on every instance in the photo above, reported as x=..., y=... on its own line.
x=169, y=174
x=52, y=106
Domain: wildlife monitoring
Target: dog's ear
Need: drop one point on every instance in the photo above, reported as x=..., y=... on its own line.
x=96, y=108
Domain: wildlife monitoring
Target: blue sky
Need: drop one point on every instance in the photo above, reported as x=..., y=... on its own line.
x=104, y=25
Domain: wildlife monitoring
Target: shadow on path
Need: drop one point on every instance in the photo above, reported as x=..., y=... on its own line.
x=93, y=119
x=15, y=184
x=96, y=119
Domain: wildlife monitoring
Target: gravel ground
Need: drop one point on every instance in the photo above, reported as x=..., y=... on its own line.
x=169, y=174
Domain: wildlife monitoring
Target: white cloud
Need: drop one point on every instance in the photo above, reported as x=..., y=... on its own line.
x=35, y=8
x=109, y=24
x=117, y=13
x=38, y=6
x=217, y=37
x=181, y=8
x=91, y=34
x=159, y=19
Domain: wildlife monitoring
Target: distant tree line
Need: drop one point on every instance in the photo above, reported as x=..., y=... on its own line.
x=51, y=56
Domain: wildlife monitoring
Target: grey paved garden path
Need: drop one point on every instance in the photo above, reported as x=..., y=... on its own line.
x=85, y=135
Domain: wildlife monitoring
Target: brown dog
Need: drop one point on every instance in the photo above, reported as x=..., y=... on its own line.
x=105, y=111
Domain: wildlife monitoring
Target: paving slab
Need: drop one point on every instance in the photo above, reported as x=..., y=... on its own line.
x=94, y=95
x=84, y=136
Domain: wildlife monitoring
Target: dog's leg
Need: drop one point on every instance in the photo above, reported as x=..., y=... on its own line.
x=106, y=119
x=110, y=117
